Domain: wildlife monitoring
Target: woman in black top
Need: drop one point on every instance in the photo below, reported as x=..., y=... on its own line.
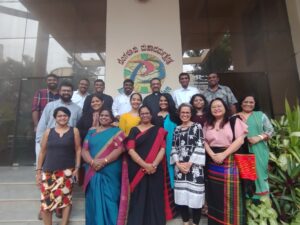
x=58, y=164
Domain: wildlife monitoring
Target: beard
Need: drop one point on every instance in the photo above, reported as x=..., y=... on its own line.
x=52, y=86
x=66, y=97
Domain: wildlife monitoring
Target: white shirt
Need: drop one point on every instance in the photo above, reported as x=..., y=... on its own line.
x=78, y=99
x=184, y=95
x=121, y=104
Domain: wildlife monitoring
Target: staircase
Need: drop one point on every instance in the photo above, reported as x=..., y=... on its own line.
x=20, y=200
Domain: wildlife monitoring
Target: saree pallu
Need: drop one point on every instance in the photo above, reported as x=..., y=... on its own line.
x=151, y=202
x=225, y=200
x=103, y=187
x=56, y=189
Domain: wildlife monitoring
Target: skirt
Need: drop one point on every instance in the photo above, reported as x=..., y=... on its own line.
x=56, y=189
x=225, y=199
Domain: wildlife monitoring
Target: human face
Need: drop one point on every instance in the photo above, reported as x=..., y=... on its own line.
x=213, y=80
x=61, y=118
x=248, y=104
x=145, y=115
x=83, y=86
x=155, y=86
x=163, y=103
x=104, y=118
x=99, y=87
x=135, y=101
x=185, y=114
x=128, y=88
x=198, y=102
x=51, y=83
x=184, y=80
x=217, y=109
x=96, y=104
x=65, y=93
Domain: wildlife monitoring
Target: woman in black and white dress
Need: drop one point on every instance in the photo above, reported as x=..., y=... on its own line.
x=188, y=155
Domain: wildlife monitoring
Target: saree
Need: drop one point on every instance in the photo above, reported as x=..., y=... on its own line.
x=258, y=123
x=150, y=201
x=103, y=188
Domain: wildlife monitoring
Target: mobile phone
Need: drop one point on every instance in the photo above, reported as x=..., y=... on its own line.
x=74, y=179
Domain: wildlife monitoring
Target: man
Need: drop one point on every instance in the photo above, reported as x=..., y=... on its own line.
x=185, y=93
x=121, y=103
x=99, y=87
x=80, y=95
x=47, y=120
x=152, y=100
x=42, y=97
x=215, y=90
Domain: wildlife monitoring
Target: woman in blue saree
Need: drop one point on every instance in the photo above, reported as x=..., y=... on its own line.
x=102, y=149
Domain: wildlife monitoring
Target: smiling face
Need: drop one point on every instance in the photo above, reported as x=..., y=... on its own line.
x=184, y=80
x=213, y=80
x=155, y=85
x=163, y=103
x=185, y=114
x=65, y=93
x=217, y=109
x=99, y=87
x=248, y=104
x=62, y=118
x=135, y=101
x=83, y=86
x=128, y=88
x=96, y=103
x=105, y=118
x=145, y=115
x=198, y=102
x=51, y=83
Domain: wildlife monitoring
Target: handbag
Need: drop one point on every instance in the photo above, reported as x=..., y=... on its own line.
x=246, y=163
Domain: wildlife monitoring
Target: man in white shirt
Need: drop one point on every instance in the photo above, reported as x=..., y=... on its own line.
x=81, y=93
x=121, y=102
x=185, y=93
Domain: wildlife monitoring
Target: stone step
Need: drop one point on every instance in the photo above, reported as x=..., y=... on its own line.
x=28, y=191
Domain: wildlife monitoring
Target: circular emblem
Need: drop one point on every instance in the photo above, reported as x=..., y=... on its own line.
x=141, y=68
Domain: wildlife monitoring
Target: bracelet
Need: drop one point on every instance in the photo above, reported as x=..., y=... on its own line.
x=154, y=166
x=37, y=169
x=261, y=137
x=106, y=160
x=77, y=167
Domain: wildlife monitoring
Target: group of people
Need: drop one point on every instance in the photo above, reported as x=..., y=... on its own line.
x=146, y=160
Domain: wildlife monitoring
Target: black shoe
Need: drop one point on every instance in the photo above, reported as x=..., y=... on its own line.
x=40, y=215
x=58, y=213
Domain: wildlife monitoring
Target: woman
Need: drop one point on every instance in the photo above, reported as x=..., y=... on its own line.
x=131, y=119
x=58, y=164
x=224, y=195
x=102, y=184
x=147, y=169
x=91, y=117
x=168, y=119
x=260, y=130
x=188, y=155
x=199, y=103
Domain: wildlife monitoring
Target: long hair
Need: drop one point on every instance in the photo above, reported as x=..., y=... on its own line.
x=205, y=107
x=211, y=119
x=171, y=108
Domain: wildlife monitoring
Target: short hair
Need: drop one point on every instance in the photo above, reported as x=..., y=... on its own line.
x=87, y=80
x=128, y=81
x=99, y=80
x=184, y=74
x=52, y=75
x=136, y=93
x=61, y=109
x=155, y=78
x=213, y=73
x=66, y=83
x=185, y=105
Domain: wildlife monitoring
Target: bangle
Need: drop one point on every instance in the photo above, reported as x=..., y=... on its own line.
x=154, y=166
x=106, y=160
x=38, y=169
x=77, y=167
x=91, y=162
x=261, y=137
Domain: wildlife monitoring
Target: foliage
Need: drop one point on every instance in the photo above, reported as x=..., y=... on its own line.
x=284, y=176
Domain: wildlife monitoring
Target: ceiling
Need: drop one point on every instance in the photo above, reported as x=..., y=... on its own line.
x=80, y=25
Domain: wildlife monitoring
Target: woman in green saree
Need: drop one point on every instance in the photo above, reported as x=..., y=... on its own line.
x=260, y=130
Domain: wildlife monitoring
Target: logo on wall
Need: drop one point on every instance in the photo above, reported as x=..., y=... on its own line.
x=141, y=65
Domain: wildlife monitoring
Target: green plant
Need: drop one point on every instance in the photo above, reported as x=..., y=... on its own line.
x=284, y=176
